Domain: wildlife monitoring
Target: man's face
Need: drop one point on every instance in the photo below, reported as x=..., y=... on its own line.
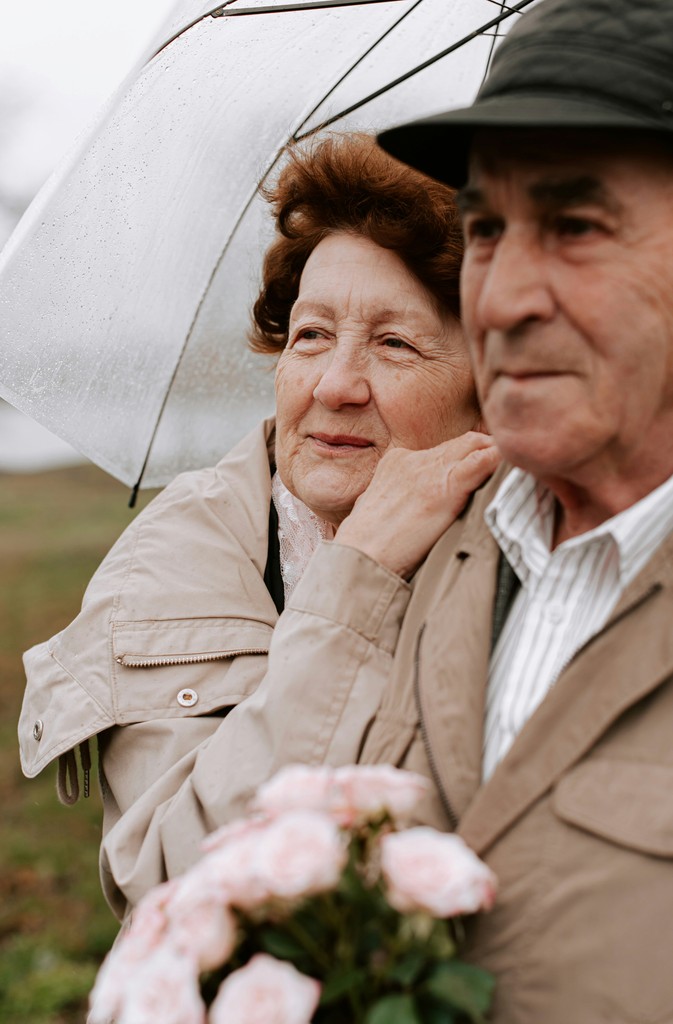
x=567, y=299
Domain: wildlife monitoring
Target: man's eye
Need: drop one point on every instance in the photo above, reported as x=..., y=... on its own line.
x=575, y=227
x=395, y=343
x=482, y=228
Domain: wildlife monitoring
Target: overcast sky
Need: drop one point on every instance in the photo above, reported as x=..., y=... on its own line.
x=59, y=61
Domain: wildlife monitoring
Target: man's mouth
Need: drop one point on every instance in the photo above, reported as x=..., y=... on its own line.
x=524, y=375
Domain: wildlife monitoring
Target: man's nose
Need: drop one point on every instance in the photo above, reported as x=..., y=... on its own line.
x=344, y=381
x=515, y=289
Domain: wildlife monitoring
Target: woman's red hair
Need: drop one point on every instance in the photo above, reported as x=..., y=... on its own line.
x=347, y=183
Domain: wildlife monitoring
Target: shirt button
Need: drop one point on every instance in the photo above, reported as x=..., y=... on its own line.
x=554, y=614
x=38, y=729
x=187, y=698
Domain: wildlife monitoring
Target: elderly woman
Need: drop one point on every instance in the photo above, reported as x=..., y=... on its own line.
x=360, y=301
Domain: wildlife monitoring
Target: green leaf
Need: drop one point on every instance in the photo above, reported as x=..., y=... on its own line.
x=407, y=969
x=394, y=1010
x=340, y=984
x=433, y=1012
x=463, y=987
x=281, y=945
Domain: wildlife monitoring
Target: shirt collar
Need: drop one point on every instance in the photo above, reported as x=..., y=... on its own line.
x=521, y=519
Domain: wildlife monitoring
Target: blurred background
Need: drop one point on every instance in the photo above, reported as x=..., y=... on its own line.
x=58, y=517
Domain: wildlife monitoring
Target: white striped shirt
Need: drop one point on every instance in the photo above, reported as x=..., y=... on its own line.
x=566, y=595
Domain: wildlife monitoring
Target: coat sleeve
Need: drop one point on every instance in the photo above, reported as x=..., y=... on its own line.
x=329, y=659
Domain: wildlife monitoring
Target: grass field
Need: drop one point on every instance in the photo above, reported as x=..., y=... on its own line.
x=55, y=528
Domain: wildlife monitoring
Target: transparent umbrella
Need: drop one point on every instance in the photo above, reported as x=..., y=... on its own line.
x=125, y=290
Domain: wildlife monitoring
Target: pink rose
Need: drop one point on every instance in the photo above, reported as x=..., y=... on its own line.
x=148, y=923
x=299, y=854
x=297, y=787
x=143, y=935
x=107, y=996
x=234, y=830
x=229, y=874
x=366, y=791
x=166, y=990
x=265, y=991
x=435, y=872
x=200, y=926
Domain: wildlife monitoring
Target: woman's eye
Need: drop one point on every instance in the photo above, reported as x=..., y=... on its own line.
x=306, y=337
x=395, y=343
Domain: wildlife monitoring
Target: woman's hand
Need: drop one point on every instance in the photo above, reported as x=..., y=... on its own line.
x=414, y=496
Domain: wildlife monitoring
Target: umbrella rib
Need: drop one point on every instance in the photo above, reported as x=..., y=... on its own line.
x=494, y=38
x=215, y=13
x=308, y=5
x=221, y=12
x=414, y=71
x=349, y=70
x=136, y=487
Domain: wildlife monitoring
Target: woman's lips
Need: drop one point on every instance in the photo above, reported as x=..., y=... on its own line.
x=341, y=442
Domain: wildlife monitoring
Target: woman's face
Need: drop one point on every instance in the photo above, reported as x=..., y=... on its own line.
x=370, y=364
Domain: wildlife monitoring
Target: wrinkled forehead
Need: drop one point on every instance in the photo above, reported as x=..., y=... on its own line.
x=495, y=148
x=609, y=166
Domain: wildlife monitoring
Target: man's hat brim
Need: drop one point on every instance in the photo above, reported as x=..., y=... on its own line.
x=439, y=146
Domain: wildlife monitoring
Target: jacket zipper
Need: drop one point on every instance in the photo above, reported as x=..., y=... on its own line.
x=429, y=753
x=152, y=661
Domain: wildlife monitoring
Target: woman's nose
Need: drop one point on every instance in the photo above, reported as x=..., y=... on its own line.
x=514, y=289
x=344, y=380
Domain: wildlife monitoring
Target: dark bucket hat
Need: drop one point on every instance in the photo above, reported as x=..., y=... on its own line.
x=578, y=64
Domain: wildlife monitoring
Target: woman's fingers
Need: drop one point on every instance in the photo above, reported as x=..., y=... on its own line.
x=414, y=496
x=470, y=472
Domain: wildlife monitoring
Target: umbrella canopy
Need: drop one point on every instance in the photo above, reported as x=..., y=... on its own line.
x=125, y=289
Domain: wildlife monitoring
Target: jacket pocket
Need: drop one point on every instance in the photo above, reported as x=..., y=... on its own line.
x=624, y=802
x=185, y=667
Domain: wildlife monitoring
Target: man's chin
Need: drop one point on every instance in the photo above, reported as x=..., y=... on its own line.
x=541, y=456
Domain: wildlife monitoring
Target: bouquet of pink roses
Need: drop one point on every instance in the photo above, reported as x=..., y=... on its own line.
x=319, y=907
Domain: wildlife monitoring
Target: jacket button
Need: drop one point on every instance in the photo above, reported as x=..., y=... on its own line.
x=38, y=729
x=187, y=698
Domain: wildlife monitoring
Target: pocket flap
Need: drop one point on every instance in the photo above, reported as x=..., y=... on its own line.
x=147, y=643
x=627, y=802
x=180, y=668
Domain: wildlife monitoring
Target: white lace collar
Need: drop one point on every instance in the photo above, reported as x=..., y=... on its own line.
x=300, y=531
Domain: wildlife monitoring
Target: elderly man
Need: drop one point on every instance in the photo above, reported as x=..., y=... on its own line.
x=532, y=676
x=567, y=562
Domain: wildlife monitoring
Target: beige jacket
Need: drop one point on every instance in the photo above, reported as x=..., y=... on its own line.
x=174, y=631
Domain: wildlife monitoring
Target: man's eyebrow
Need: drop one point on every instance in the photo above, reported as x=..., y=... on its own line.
x=556, y=194
x=552, y=193
x=470, y=198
